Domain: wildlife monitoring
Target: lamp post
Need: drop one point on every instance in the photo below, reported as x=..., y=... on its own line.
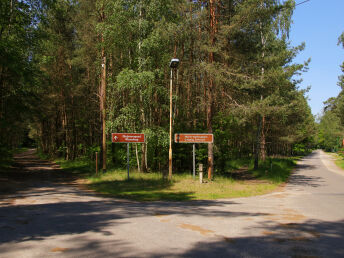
x=173, y=65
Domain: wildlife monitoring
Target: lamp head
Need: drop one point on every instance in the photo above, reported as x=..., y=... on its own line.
x=174, y=63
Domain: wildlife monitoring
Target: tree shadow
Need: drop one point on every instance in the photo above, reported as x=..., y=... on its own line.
x=306, y=180
x=311, y=155
x=303, y=180
x=26, y=222
x=141, y=189
x=306, y=167
x=29, y=171
x=312, y=238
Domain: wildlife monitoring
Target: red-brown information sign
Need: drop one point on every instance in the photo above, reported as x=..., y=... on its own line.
x=128, y=137
x=193, y=138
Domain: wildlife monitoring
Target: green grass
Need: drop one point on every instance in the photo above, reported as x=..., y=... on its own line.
x=154, y=187
x=339, y=160
x=5, y=162
x=340, y=163
x=79, y=167
x=6, y=157
x=276, y=170
x=239, y=163
x=20, y=150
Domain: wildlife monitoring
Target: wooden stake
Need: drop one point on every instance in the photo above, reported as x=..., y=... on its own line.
x=96, y=163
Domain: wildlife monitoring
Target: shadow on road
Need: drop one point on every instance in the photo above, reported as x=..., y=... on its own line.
x=303, y=180
x=309, y=239
x=37, y=221
x=83, y=212
x=29, y=171
x=308, y=179
x=22, y=223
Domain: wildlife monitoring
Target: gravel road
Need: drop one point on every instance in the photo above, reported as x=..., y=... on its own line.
x=50, y=218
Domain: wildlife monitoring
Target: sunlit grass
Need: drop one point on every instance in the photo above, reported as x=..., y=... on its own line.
x=78, y=168
x=339, y=159
x=276, y=170
x=340, y=163
x=182, y=187
x=153, y=187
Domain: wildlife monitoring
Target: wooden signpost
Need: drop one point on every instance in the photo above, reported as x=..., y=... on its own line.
x=194, y=138
x=128, y=138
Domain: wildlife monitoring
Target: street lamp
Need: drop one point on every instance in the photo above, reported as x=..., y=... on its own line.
x=173, y=65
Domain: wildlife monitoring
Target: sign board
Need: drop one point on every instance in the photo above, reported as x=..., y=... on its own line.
x=128, y=137
x=194, y=138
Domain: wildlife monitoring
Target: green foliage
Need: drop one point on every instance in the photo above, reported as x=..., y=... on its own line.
x=6, y=157
x=276, y=170
x=157, y=140
x=330, y=131
x=17, y=71
x=300, y=149
x=51, y=72
x=331, y=125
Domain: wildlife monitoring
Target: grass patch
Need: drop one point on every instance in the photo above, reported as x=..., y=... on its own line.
x=339, y=159
x=340, y=163
x=79, y=167
x=154, y=187
x=239, y=163
x=276, y=170
x=6, y=162
x=6, y=157
x=20, y=150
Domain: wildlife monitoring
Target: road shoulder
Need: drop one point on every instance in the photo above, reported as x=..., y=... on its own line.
x=329, y=163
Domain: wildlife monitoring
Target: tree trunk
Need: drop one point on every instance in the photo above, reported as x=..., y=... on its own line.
x=137, y=158
x=257, y=147
x=212, y=10
x=261, y=146
x=102, y=107
x=143, y=158
x=263, y=141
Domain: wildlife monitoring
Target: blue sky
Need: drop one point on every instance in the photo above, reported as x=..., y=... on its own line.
x=319, y=23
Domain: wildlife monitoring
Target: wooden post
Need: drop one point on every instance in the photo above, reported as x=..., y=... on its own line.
x=193, y=161
x=200, y=169
x=102, y=93
x=211, y=86
x=96, y=163
x=103, y=107
x=170, y=140
x=128, y=160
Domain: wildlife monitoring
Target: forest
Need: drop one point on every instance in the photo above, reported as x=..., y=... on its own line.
x=331, y=124
x=74, y=71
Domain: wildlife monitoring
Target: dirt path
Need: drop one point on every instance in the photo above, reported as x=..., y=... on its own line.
x=51, y=219
x=29, y=171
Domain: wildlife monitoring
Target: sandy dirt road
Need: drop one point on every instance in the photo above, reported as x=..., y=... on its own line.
x=50, y=218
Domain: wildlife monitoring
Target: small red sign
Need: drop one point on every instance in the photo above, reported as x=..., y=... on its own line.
x=193, y=138
x=128, y=137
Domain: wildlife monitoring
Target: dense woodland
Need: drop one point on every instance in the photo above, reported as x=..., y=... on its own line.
x=331, y=123
x=72, y=71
